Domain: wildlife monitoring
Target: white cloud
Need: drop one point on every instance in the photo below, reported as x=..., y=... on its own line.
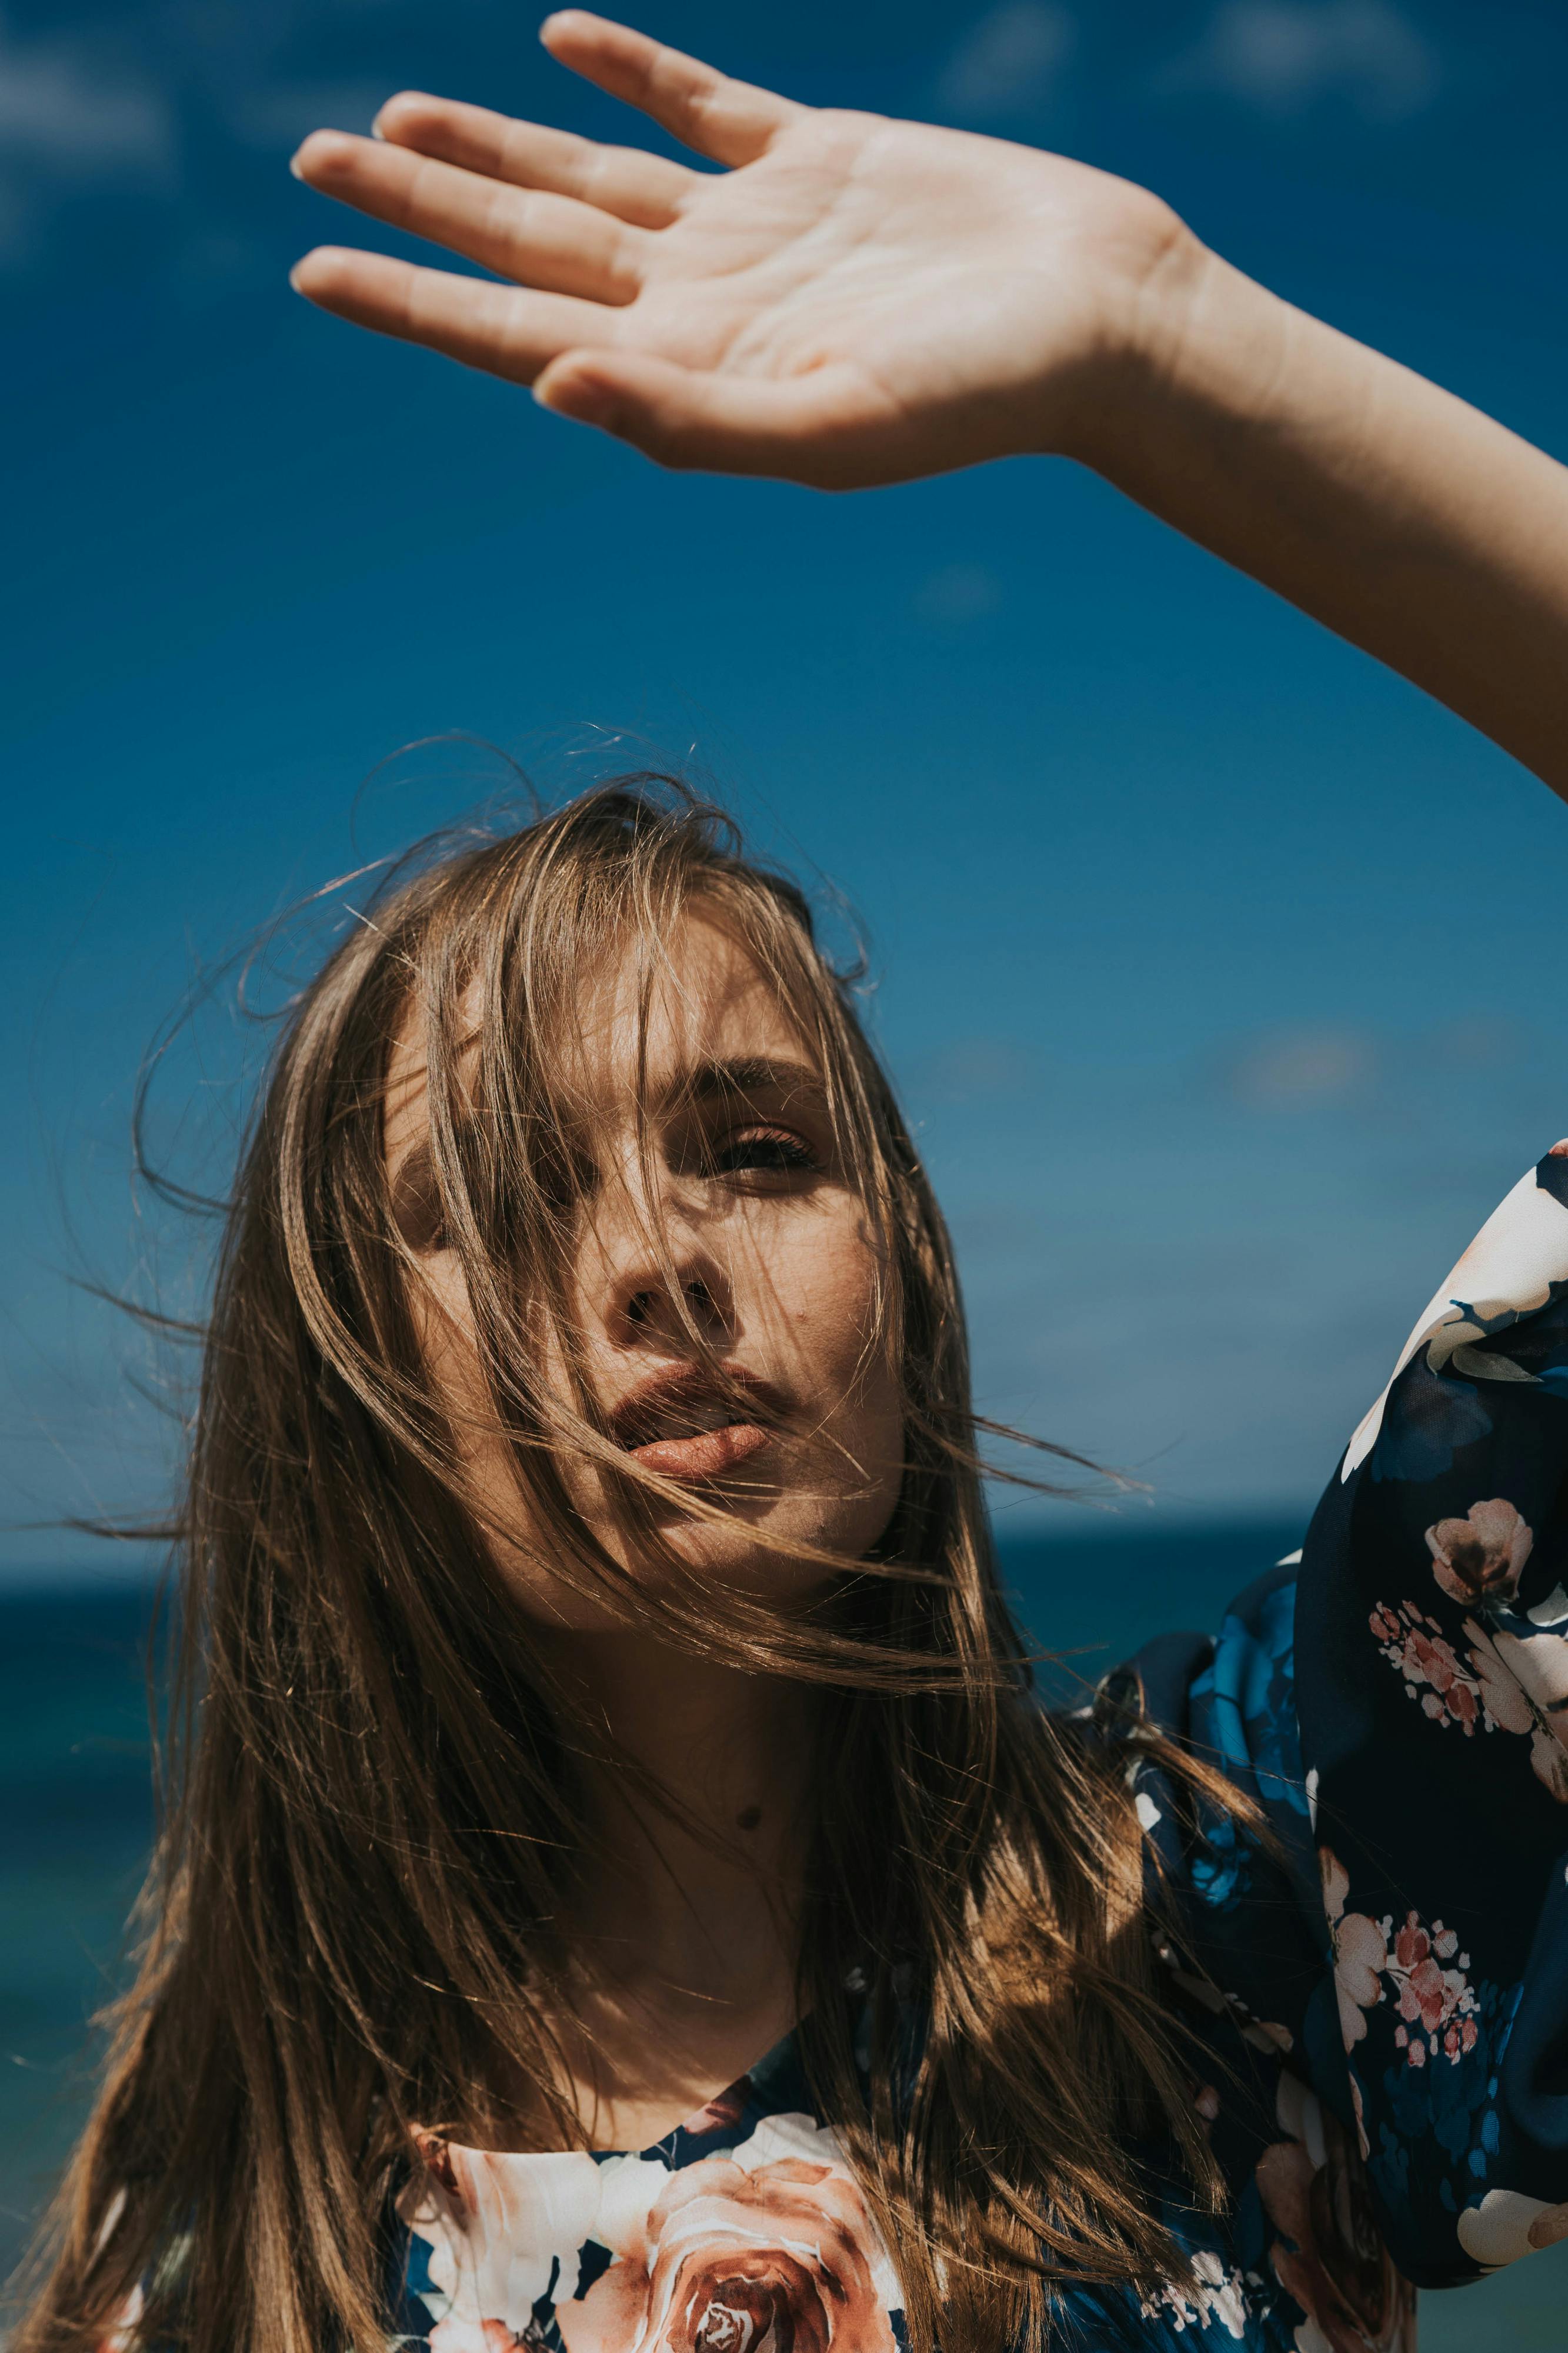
x=1306, y=1066
x=1291, y=1070
x=66, y=110
x=1011, y=61
x=1282, y=57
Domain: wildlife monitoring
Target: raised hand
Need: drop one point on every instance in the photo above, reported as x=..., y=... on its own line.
x=849, y=300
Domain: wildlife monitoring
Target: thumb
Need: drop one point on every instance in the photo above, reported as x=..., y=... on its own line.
x=808, y=428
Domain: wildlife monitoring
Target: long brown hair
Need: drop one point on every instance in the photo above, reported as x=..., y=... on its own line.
x=373, y=1807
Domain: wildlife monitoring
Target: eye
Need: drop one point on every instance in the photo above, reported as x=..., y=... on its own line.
x=764, y=1151
x=417, y=1207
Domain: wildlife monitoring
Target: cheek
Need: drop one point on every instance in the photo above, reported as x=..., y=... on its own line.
x=825, y=1277
x=825, y=1291
x=486, y=1479
x=443, y=1328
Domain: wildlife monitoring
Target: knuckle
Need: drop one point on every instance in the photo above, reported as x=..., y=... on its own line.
x=622, y=267
x=419, y=186
x=598, y=174
x=574, y=163
x=514, y=152
x=504, y=221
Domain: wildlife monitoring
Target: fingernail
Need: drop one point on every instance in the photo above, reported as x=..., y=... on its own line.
x=294, y=166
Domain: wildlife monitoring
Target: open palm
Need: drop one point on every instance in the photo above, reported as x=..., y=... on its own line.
x=851, y=300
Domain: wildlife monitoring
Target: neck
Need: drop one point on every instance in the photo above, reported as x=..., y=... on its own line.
x=697, y=1899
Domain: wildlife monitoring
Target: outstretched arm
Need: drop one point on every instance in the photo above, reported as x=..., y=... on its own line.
x=853, y=300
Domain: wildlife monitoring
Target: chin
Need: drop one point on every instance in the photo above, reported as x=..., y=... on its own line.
x=729, y=1559
x=736, y=1555
x=731, y=1565
x=743, y=1557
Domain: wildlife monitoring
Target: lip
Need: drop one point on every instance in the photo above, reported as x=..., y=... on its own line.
x=705, y=1453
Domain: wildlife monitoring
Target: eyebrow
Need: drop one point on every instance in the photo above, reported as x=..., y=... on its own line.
x=747, y=1075
x=711, y=1080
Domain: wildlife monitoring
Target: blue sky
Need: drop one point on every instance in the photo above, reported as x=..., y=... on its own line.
x=1217, y=967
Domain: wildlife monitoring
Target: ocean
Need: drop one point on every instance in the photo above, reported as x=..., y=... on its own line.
x=75, y=1820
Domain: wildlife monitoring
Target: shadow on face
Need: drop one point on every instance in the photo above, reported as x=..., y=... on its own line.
x=723, y=1289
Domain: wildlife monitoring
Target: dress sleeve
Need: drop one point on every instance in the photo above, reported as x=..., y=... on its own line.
x=1397, y=1701
x=1432, y=1695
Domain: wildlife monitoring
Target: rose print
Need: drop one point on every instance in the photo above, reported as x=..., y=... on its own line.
x=494, y=2225
x=1221, y=2297
x=1414, y=1647
x=1480, y=1558
x=1507, y=2224
x=1513, y=1679
x=1423, y=1968
x=1536, y=1665
x=1525, y=1683
x=1328, y=2256
x=770, y=2250
x=1361, y=1950
x=1437, y=2000
x=783, y=2258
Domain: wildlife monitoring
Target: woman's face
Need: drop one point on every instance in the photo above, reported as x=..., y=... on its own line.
x=769, y=1246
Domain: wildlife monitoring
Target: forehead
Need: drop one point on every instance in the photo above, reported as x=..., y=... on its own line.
x=707, y=1002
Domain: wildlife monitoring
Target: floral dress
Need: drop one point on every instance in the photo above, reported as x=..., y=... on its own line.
x=1386, y=2001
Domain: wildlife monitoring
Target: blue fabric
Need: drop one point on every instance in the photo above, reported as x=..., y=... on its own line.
x=1384, y=1997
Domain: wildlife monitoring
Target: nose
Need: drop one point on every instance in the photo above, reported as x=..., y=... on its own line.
x=662, y=1311
x=659, y=1309
x=655, y=1299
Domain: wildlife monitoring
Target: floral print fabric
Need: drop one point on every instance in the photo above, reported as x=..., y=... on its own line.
x=1432, y=1658
x=743, y=2229
x=1384, y=1994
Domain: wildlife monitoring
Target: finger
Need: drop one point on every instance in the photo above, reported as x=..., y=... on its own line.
x=645, y=189
x=828, y=427
x=542, y=240
x=503, y=329
x=730, y=121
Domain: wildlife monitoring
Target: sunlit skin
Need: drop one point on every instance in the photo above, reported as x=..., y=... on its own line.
x=834, y=299
x=852, y=300
x=775, y=1264
x=688, y=1941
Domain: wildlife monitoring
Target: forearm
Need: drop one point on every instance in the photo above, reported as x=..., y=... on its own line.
x=1388, y=509
x=853, y=300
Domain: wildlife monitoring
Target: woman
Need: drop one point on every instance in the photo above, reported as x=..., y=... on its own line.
x=600, y=1690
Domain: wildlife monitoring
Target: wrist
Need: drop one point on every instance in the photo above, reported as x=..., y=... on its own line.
x=1187, y=337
